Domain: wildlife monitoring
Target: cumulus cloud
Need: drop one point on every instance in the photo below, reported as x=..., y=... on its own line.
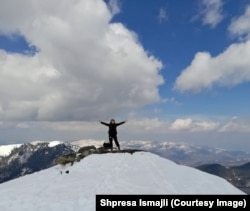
x=212, y=12
x=240, y=27
x=190, y=125
x=229, y=68
x=181, y=124
x=85, y=66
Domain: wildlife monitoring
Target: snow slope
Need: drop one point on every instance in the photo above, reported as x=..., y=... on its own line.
x=112, y=173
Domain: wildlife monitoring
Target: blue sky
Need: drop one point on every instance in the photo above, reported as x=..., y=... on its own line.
x=175, y=34
x=176, y=70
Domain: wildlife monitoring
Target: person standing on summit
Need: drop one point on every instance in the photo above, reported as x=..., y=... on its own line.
x=113, y=132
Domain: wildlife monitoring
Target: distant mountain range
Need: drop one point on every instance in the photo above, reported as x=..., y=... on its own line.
x=191, y=155
x=27, y=158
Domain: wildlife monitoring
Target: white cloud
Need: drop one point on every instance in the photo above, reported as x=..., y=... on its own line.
x=230, y=68
x=190, y=125
x=114, y=6
x=236, y=124
x=86, y=67
x=198, y=130
x=240, y=26
x=181, y=124
x=204, y=126
x=212, y=12
x=149, y=125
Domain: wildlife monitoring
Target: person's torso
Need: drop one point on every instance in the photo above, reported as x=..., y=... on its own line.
x=112, y=129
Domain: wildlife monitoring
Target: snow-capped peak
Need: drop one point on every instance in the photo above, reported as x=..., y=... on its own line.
x=5, y=150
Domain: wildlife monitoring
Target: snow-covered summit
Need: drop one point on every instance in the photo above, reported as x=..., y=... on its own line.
x=75, y=187
x=6, y=149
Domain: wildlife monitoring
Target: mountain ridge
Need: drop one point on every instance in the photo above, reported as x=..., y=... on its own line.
x=74, y=187
x=45, y=155
x=239, y=176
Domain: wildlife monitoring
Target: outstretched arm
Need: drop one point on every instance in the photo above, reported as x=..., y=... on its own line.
x=121, y=123
x=104, y=123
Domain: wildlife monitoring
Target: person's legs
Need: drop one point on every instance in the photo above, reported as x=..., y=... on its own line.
x=116, y=142
x=111, y=142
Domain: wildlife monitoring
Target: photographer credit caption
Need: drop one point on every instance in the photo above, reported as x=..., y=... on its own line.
x=172, y=202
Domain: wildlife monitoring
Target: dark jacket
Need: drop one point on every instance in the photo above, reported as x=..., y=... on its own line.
x=112, y=127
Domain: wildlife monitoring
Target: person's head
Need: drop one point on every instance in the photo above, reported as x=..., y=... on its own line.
x=112, y=121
